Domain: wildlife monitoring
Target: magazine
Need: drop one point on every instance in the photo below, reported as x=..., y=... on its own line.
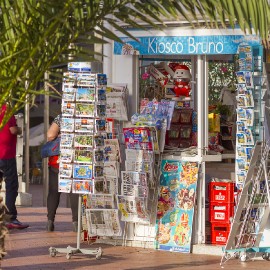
x=103, y=222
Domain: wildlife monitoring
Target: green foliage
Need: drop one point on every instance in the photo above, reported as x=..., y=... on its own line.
x=223, y=109
x=221, y=74
x=37, y=35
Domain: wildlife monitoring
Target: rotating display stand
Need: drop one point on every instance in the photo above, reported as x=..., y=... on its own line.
x=83, y=112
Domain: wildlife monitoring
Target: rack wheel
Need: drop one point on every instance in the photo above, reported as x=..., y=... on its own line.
x=52, y=252
x=227, y=255
x=266, y=256
x=99, y=254
x=243, y=258
x=236, y=255
x=68, y=256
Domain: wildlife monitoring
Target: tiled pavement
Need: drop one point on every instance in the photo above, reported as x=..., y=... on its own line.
x=28, y=249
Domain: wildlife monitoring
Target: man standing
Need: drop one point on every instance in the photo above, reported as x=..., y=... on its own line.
x=8, y=167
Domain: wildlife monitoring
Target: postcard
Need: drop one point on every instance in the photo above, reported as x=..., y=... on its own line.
x=101, y=79
x=249, y=136
x=85, y=110
x=69, y=77
x=99, y=155
x=249, y=153
x=249, y=98
x=101, y=94
x=241, y=151
x=83, y=171
x=84, y=125
x=68, y=109
x=241, y=163
x=241, y=177
x=66, y=155
x=64, y=185
x=241, y=125
x=81, y=141
x=85, y=94
x=249, y=79
x=101, y=110
x=65, y=170
x=241, y=101
x=87, y=76
x=66, y=140
x=69, y=89
x=99, y=141
x=67, y=124
x=83, y=156
x=98, y=171
x=69, y=96
x=82, y=186
x=100, y=125
x=241, y=138
x=240, y=76
x=241, y=88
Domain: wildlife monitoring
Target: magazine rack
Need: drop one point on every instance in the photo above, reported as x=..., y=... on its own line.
x=69, y=251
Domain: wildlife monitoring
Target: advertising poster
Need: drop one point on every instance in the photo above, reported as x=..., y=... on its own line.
x=175, y=208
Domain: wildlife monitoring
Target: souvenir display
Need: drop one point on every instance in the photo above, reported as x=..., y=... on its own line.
x=247, y=98
x=88, y=142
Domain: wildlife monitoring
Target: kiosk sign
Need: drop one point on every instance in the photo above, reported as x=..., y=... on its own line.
x=193, y=45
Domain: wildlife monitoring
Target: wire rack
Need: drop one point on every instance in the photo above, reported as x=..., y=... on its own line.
x=252, y=211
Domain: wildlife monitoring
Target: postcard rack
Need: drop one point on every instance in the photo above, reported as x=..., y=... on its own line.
x=82, y=119
x=252, y=211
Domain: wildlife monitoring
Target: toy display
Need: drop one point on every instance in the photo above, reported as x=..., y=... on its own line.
x=174, y=76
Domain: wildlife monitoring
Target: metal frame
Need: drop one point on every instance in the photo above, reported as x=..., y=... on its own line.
x=69, y=251
x=252, y=211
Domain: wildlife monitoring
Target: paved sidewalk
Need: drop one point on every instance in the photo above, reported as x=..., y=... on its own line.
x=28, y=249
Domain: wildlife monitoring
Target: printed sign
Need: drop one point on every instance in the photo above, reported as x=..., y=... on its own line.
x=153, y=45
x=175, y=209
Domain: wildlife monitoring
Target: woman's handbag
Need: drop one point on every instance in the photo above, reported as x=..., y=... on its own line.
x=51, y=148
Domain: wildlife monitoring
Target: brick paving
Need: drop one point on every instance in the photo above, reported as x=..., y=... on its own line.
x=28, y=249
